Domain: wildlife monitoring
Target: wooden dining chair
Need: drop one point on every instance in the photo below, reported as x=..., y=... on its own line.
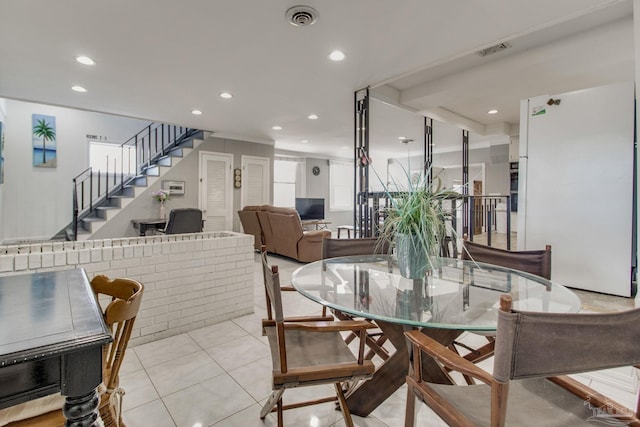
x=536, y=262
x=120, y=302
x=529, y=385
x=307, y=352
x=333, y=248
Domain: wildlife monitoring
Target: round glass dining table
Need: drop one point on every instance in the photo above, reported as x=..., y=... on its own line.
x=455, y=296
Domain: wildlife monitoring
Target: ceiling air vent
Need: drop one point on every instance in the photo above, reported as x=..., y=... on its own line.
x=493, y=49
x=301, y=16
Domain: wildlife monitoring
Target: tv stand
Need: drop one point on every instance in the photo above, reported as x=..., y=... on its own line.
x=320, y=224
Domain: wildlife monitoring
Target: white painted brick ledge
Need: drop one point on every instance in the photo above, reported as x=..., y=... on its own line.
x=182, y=289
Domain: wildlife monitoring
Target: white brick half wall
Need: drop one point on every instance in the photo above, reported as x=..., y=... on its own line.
x=190, y=280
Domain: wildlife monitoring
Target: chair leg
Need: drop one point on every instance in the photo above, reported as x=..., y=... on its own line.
x=343, y=406
x=280, y=410
x=410, y=412
x=275, y=397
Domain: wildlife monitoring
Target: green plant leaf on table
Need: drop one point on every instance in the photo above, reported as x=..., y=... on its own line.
x=419, y=214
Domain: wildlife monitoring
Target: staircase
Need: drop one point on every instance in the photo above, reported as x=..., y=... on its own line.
x=98, y=196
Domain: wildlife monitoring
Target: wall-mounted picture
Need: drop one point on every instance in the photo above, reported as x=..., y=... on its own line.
x=1, y=152
x=43, y=129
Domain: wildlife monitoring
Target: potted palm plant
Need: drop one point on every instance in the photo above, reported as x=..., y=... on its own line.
x=417, y=222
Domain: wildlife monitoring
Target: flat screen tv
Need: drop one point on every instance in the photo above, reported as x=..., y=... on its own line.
x=310, y=209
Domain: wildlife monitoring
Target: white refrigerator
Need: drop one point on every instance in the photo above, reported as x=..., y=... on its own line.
x=575, y=185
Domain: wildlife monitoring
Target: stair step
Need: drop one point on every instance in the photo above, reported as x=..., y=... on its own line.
x=164, y=161
x=152, y=171
x=177, y=152
x=139, y=181
x=126, y=192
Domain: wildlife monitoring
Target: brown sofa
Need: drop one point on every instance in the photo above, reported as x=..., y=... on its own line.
x=280, y=230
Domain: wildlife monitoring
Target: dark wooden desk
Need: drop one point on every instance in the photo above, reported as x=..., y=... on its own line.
x=148, y=224
x=51, y=337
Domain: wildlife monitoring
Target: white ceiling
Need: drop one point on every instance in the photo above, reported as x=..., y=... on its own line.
x=160, y=59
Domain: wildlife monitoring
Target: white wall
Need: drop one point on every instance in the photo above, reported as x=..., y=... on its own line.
x=3, y=108
x=636, y=26
x=37, y=202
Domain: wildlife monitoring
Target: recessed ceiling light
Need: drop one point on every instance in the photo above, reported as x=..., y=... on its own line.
x=226, y=95
x=304, y=141
x=344, y=147
x=492, y=112
x=276, y=127
x=78, y=88
x=312, y=117
x=336, y=55
x=196, y=112
x=85, y=60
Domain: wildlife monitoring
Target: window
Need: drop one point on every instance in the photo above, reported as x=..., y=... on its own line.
x=104, y=156
x=288, y=180
x=341, y=186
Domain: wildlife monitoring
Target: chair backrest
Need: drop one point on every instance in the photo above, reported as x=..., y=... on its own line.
x=535, y=344
x=272, y=288
x=125, y=296
x=333, y=248
x=184, y=220
x=274, y=308
x=536, y=262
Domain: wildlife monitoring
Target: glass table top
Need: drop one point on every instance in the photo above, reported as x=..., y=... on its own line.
x=454, y=295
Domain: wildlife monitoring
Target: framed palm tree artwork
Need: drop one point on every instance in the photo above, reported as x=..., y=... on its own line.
x=43, y=129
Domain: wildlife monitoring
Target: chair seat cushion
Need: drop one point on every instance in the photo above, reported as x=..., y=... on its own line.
x=532, y=402
x=326, y=352
x=32, y=408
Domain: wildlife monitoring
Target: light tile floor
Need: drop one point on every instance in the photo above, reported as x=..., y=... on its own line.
x=220, y=376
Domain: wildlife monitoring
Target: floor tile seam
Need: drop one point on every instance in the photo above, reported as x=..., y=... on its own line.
x=160, y=396
x=223, y=371
x=217, y=423
x=256, y=338
x=223, y=342
x=124, y=413
x=237, y=367
x=165, y=361
x=241, y=409
x=175, y=423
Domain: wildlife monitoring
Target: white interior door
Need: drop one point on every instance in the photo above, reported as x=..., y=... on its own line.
x=255, y=181
x=216, y=184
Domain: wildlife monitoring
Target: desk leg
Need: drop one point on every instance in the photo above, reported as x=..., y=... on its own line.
x=82, y=410
x=391, y=374
x=81, y=373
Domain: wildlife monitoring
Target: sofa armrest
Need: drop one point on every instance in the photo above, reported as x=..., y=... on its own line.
x=310, y=245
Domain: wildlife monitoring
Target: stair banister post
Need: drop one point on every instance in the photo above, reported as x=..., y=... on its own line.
x=149, y=146
x=122, y=165
x=91, y=191
x=106, y=179
x=75, y=209
x=138, y=149
x=162, y=144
